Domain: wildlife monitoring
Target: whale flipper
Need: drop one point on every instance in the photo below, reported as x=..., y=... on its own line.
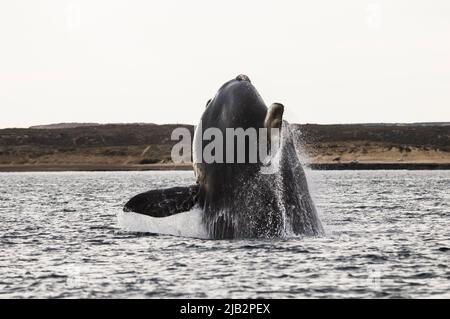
x=163, y=202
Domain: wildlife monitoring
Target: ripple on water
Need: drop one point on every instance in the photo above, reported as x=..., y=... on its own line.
x=387, y=236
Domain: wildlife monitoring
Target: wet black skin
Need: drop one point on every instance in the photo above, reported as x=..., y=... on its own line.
x=237, y=200
x=237, y=104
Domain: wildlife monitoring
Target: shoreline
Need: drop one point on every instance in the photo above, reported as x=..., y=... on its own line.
x=94, y=168
x=380, y=166
x=188, y=167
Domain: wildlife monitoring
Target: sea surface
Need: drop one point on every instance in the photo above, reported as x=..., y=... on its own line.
x=388, y=236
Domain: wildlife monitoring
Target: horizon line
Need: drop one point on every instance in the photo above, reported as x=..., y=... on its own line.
x=90, y=124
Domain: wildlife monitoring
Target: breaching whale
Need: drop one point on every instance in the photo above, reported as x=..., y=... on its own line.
x=241, y=198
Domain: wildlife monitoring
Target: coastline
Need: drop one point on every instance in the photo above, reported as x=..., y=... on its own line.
x=380, y=166
x=147, y=147
x=94, y=168
x=188, y=167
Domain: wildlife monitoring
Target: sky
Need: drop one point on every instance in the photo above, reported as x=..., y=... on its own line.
x=122, y=61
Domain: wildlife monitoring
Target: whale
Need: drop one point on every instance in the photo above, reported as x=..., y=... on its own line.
x=240, y=194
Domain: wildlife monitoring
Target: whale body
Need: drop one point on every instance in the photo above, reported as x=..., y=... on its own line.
x=240, y=197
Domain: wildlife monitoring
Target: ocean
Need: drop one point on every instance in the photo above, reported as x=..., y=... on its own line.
x=387, y=236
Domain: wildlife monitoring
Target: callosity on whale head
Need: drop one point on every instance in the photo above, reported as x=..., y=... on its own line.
x=242, y=194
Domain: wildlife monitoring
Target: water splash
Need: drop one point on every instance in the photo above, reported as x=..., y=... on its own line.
x=187, y=224
x=274, y=203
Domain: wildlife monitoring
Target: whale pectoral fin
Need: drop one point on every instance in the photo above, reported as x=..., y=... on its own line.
x=273, y=123
x=274, y=117
x=163, y=202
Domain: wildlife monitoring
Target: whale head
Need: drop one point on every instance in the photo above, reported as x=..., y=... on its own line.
x=237, y=199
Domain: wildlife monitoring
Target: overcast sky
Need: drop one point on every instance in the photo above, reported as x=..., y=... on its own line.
x=160, y=61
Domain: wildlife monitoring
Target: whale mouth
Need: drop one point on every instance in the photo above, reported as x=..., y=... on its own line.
x=243, y=77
